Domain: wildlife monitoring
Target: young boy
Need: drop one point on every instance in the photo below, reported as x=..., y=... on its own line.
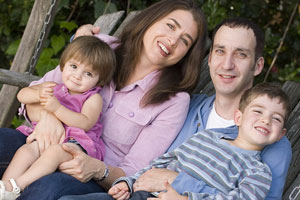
x=231, y=168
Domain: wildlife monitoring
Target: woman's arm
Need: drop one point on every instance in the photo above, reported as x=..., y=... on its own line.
x=153, y=142
x=84, y=168
x=85, y=120
x=49, y=130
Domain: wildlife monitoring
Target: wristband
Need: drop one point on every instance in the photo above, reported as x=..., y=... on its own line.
x=104, y=176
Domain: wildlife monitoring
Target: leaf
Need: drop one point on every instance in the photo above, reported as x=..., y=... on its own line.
x=70, y=26
x=57, y=43
x=99, y=8
x=13, y=47
x=43, y=66
x=63, y=4
x=46, y=54
x=24, y=18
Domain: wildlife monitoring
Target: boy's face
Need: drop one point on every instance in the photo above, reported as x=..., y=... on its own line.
x=261, y=123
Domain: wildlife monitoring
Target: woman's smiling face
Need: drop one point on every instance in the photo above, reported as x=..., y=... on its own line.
x=168, y=40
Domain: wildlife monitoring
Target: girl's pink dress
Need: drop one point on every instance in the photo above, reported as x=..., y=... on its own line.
x=90, y=140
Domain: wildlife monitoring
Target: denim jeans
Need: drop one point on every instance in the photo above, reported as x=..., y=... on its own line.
x=139, y=195
x=10, y=141
x=91, y=196
x=56, y=185
x=50, y=187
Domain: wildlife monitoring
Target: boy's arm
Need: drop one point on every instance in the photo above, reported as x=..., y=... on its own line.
x=254, y=186
x=85, y=120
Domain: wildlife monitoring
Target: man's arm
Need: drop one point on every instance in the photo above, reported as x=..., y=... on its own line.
x=278, y=157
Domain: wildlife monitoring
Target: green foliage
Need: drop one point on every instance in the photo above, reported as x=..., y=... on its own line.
x=271, y=15
x=16, y=122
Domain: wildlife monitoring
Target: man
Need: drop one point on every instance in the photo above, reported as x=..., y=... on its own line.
x=235, y=59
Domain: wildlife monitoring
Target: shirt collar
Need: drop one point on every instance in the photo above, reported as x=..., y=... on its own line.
x=146, y=83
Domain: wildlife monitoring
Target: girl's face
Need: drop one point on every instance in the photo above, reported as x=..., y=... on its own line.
x=168, y=40
x=78, y=77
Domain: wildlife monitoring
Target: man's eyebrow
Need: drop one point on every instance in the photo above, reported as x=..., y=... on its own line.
x=243, y=49
x=237, y=49
x=218, y=46
x=179, y=26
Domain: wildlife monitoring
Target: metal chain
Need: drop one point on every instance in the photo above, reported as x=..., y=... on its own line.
x=41, y=38
x=295, y=193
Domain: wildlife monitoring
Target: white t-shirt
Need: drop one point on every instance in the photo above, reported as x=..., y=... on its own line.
x=216, y=121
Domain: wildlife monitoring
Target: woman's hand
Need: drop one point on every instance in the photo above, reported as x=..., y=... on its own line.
x=82, y=167
x=87, y=30
x=48, y=131
x=154, y=180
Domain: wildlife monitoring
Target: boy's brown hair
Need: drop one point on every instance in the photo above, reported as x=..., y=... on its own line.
x=268, y=89
x=91, y=51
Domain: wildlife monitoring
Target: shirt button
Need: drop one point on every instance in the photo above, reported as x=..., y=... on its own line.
x=111, y=105
x=28, y=130
x=131, y=114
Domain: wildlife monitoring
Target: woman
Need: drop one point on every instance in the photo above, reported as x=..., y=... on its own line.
x=159, y=59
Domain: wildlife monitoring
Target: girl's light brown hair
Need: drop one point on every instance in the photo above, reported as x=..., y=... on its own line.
x=93, y=52
x=182, y=76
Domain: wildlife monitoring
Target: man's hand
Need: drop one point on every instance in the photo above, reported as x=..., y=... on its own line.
x=87, y=30
x=170, y=194
x=82, y=167
x=48, y=131
x=154, y=180
x=119, y=191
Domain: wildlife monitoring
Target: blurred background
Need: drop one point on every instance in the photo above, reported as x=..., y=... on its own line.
x=271, y=15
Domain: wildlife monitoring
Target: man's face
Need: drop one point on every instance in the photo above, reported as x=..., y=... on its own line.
x=232, y=61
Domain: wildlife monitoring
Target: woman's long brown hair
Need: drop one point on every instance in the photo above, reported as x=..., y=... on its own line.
x=182, y=76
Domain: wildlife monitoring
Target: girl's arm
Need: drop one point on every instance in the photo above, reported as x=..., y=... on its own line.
x=85, y=120
x=32, y=94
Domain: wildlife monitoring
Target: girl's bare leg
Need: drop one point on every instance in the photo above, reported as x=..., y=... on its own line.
x=46, y=164
x=22, y=160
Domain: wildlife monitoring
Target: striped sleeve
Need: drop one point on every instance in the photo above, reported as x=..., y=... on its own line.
x=254, y=187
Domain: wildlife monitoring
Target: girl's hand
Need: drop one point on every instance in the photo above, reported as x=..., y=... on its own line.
x=50, y=103
x=170, y=194
x=45, y=89
x=87, y=30
x=119, y=191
